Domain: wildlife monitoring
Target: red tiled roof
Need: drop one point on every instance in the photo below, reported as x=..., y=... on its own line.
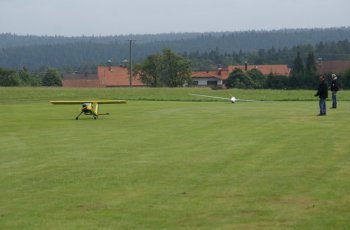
x=333, y=66
x=265, y=69
x=219, y=74
x=115, y=76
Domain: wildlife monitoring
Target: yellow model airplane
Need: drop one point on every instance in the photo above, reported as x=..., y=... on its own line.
x=89, y=107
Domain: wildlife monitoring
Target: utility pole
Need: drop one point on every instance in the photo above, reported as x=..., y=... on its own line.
x=130, y=61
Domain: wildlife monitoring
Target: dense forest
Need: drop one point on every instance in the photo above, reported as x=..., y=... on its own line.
x=205, y=50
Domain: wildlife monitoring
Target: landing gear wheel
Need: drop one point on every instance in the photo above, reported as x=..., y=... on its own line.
x=76, y=118
x=95, y=117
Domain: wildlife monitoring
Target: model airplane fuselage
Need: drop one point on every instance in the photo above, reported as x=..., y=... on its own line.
x=89, y=107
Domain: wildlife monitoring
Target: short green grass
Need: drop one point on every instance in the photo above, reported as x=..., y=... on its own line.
x=17, y=95
x=166, y=162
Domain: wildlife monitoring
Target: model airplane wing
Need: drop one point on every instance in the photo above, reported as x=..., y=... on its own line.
x=237, y=99
x=201, y=95
x=89, y=101
x=232, y=99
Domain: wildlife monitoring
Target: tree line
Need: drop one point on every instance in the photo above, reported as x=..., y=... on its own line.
x=10, y=77
x=159, y=66
x=169, y=69
x=34, y=52
x=303, y=76
x=323, y=51
x=66, y=61
x=254, y=79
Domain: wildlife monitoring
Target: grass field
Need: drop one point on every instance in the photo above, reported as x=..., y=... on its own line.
x=168, y=160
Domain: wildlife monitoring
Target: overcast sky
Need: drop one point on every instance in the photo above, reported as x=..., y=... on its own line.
x=120, y=17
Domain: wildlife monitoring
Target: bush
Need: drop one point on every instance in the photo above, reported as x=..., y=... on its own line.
x=52, y=78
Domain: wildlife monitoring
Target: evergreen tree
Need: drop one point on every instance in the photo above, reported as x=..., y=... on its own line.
x=345, y=79
x=310, y=71
x=297, y=74
x=52, y=78
x=298, y=66
x=310, y=67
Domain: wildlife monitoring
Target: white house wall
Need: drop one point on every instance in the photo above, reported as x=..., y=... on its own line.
x=203, y=81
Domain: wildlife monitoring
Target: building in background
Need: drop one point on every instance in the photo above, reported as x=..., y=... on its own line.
x=282, y=70
x=116, y=76
x=210, y=78
x=217, y=77
x=107, y=76
x=77, y=80
x=337, y=67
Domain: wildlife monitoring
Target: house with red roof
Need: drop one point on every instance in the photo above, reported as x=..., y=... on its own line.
x=107, y=76
x=217, y=77
x=116, y=76
x=336, y=67
x=264, y=69
x=77, y=80
x=209, y=78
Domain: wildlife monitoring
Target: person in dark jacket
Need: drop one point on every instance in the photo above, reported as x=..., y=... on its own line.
x=334, y=89
x=322, y=93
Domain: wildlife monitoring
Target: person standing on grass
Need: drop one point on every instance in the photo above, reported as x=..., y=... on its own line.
x=322, y=93
x=334, y=89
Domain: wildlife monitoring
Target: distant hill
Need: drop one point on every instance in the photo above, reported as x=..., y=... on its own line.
x=12, y=40
x=34, y=52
